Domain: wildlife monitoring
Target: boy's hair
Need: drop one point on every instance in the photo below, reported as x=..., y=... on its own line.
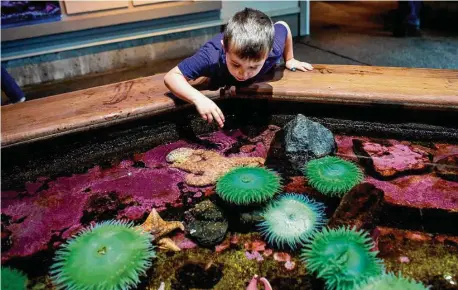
x=249, y=34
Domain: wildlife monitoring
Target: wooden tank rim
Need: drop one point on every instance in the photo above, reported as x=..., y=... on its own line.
x=411, y=88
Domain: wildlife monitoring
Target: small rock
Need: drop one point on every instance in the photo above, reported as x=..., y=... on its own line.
x=404, y=259
x=361, y=208
x=290, y=265
x=267, y=252
x=447, y=167
x=282, y=257
x=306, y=140
x=258, y=246
x=206, y=224
x=254, y=255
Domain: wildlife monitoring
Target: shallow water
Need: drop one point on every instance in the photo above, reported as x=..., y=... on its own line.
x=413, y=225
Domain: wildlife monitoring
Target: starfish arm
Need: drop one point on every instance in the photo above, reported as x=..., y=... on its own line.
x=168, y=244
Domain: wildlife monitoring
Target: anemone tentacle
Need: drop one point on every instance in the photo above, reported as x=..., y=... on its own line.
x=248, y=185
x=342, y=257
x=332, y=175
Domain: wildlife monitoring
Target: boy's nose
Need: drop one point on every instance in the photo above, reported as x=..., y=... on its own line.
x=244, y=75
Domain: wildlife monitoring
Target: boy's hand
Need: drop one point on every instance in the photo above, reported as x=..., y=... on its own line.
x=294, y=64
x=209, y=111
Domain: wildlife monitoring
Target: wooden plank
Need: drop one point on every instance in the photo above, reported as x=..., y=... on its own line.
x=114, y=103
x=85, y=109
x=408, y=87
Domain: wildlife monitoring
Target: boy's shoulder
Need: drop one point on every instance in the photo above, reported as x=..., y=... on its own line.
x=213, y=48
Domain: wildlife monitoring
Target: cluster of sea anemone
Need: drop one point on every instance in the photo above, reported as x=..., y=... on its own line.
x=114, y=254
x=110, y=255
x=291, y=219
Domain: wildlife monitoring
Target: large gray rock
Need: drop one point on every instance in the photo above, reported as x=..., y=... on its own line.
x=206, y=224
x=306, y=140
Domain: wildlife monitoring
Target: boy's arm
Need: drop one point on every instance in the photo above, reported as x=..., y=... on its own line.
x=288, y=53
x=177, y=83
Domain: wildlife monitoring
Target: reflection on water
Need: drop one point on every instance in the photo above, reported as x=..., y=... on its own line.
x=408, y=205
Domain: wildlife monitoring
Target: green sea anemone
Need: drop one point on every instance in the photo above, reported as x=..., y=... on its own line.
x=342, y=257
x=248, y=185
x=291, y=219
x=13, y=279
x=332, y=175
x=392, y=282
x=109, y=255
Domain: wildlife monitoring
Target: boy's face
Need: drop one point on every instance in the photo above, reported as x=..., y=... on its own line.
x=243, y=69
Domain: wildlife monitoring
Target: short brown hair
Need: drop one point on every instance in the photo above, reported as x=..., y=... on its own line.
x=249, y=34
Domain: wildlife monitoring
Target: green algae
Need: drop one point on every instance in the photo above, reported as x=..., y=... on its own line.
x=430, y=263
x=236, y=267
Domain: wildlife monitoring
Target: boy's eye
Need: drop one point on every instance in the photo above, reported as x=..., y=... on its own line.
x=253, y=67
x=236, y=65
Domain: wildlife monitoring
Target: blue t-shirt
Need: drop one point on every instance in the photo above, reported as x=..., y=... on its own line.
x=210, y=61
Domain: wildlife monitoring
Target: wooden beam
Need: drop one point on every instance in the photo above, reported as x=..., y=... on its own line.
x=431, y=89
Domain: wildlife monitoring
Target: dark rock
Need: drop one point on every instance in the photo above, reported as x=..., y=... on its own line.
x=304, y=282
x=6, y=239
x=361, y=207
x=244, y=221
x=100, y=207
x=191, y=276
x=206, y=224
x=447, y=167
x=306, y=140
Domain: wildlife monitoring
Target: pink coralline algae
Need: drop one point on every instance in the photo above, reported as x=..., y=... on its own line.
x=420, y=191
x=391, y=159
x=345, y=146
x=57, y=211
x=37, y=218
x=48, y=212
x=182, y=242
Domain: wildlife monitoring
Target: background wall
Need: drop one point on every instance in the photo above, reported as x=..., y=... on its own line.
x=177, y=30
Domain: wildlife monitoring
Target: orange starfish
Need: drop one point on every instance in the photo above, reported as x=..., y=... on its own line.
x=207, y=166
x=159, y=228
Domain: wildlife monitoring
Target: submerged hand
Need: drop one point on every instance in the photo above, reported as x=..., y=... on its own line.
x=209, y=111
x=294, y=64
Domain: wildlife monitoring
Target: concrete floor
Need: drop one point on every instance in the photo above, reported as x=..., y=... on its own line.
x=341, y=33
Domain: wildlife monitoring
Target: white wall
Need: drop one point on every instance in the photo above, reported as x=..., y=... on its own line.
x=231, y=7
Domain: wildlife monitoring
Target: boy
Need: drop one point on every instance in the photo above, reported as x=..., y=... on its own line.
x=250, y=47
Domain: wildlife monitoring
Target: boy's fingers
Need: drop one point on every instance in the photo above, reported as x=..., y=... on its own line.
x=221, y=114
x=209, y=118
x=218, y=119
x=308, y=66
x=301, y=68
x=204, y=116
